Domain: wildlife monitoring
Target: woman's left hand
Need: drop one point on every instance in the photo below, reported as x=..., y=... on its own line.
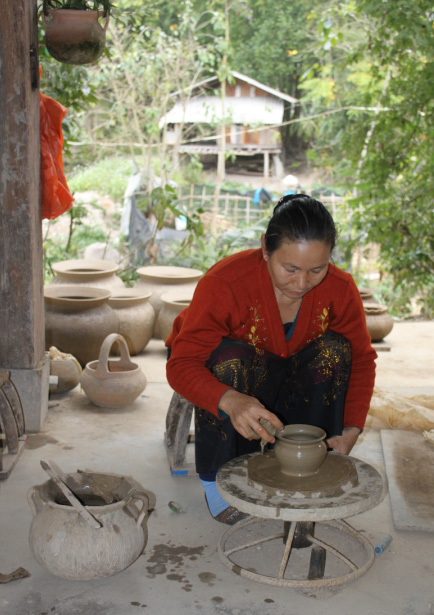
x=344, y=443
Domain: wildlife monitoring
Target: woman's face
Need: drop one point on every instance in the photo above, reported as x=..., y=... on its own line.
x=297, y=267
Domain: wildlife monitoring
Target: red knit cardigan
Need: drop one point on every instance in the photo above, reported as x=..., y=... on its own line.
x=236, y=299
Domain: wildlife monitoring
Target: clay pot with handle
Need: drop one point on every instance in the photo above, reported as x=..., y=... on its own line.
x=70, y=546
x=113, y=383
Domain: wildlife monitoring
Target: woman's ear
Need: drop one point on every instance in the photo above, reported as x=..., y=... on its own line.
x=264, y=249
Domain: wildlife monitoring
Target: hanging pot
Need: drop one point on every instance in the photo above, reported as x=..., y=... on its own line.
x=74, y=36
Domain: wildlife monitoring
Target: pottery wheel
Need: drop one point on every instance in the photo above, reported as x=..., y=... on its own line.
x=336, y=475
x=349, y=498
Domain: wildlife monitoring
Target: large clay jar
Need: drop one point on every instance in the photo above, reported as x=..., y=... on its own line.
x=74, y=36
x=78, y=319
x=173, y=303
x=300, y=449
x=378, y=321
x=113, y=383
x=68, y=546
x=94, y=272
x=163, y=279
x=136, y=317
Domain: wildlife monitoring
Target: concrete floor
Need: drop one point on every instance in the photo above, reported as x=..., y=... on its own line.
x=180, y=570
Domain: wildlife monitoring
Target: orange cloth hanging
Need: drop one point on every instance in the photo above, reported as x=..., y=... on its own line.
x=56, y=198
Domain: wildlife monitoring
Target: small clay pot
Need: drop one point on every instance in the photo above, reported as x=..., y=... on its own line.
x=67, y=369
x=300, y=449
x=378, y=321
x=116, y=383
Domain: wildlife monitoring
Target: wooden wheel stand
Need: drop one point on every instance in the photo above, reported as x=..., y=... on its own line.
x=299, y=514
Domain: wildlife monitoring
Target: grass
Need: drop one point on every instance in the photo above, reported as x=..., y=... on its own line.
x=109, y=177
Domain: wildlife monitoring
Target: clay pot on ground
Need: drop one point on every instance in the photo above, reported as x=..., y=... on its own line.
x=378, y=321
x=78, y=319
x=94, y=272
x=67, y=369
x=68, y=546
x=163, y=279
x=113, y=383
x=300, y=449
x=74, y=36
x=136, y=317
x=173, y=303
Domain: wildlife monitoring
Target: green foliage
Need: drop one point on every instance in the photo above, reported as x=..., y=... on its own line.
x=80, y=235
x=379, y=143
x=108, y=177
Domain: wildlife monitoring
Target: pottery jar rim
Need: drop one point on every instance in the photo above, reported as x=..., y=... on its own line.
x=372, y=309
x=128, y=297
x=43, y=490
x=289, y=433
x=170, y=274
x=180, y=298
x=74, y=296
x=87, y=267
x=92, y=366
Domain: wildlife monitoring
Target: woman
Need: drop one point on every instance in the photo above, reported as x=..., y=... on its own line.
x=277, y=333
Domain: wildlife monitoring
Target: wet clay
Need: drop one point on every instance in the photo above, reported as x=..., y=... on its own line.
x=334, y=476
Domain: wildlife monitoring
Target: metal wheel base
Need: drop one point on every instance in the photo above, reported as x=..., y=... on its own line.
x=310, y=583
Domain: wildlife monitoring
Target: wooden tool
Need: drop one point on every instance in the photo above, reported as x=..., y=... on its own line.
x=93, y=521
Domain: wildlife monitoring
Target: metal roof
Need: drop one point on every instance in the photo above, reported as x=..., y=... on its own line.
x=238, y=110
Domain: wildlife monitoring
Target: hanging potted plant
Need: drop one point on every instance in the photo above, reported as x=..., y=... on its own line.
x=73, y=34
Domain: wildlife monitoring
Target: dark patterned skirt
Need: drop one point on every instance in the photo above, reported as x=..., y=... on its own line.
x=308, y=387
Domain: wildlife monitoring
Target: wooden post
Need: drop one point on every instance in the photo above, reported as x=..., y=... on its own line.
x=266, y=165
x=22, y=347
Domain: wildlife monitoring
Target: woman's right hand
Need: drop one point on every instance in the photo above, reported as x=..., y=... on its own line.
x=245, y=412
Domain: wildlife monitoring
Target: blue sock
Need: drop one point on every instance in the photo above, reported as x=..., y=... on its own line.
x=215, y=501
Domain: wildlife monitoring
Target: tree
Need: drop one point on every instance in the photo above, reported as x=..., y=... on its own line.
x=381, y=54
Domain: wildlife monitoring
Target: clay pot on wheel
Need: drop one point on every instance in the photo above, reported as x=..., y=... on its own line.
x=78, y=319
x=300, y=449
x=113, y=383
x=378, y=321
x=68, y=546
